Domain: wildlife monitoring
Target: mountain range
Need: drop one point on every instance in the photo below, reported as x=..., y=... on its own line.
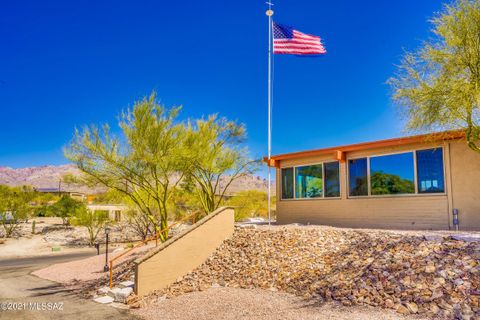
x=50, y=176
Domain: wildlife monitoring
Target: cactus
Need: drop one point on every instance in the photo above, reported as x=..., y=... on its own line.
x=33, y=227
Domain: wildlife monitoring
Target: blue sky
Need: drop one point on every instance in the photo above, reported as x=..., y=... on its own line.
x=69, y=63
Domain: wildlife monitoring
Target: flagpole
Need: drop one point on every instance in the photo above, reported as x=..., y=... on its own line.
x=269, y=13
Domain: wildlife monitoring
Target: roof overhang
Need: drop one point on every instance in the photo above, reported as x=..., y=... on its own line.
x=338, y=153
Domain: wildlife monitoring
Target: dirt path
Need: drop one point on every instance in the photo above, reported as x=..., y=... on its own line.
x=244, y=304
x=19, y=286
x=86, y=269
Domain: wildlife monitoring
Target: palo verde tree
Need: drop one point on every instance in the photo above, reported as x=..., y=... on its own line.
x=439, y=85
x=146, y=163
x=218, y=159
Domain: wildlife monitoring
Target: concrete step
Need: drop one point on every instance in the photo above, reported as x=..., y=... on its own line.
x=126, y=284
x=104, y=299
x=120, y=294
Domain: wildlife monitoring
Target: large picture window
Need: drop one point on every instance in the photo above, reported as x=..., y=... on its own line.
x=357, y=177
x=392, y=174
x=309, y=181
x=287, y=183
x=395, y=174
x=332, y=179
x=430, y=171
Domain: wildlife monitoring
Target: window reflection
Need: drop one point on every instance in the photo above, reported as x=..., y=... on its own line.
x=309, y=181
x=287, y=183
x=392, y=174
x=357, y=177
x=332, y=179
x=430, y=171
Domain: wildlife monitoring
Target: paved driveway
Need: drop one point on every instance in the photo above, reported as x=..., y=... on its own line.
x=17, y=286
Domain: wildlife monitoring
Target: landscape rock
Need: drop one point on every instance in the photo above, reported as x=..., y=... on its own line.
x=246, y=226
x=466, y=238
x=120, y=294
x=396, y=271
x=430, y=269
x=433, y=237
x=412, y=307
x=103, y=291
x=113, y=292
x=402, y=309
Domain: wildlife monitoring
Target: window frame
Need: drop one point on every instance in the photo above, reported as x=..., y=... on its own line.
x=415, y=176
x=347, y=165
x=323, y=177
x=444, y=169
x=339, y=179
x=281, y=184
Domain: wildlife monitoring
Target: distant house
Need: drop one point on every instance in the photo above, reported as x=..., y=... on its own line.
x=114, y=211
x=416, y=182
x=74, y=195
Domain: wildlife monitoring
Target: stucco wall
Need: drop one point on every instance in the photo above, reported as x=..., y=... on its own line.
x=183, y=253
x=465, y=185
x=462, y=179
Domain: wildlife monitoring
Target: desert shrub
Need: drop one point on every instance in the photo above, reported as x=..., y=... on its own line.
x=65, y=208
x=14, y=207
x=250, y=203
x=94, y=221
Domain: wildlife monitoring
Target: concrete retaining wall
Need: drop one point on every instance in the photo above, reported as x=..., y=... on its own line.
x=183, y=253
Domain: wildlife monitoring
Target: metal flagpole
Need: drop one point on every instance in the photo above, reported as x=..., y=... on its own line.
x=269, y=13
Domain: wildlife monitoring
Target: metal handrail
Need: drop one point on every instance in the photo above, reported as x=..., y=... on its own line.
x=143, y=242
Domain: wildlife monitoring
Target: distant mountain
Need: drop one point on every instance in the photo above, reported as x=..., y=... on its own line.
x=50, y=176
x=44, y=177
x=250, y=182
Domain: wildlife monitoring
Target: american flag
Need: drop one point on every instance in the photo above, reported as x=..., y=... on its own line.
x=287, y=40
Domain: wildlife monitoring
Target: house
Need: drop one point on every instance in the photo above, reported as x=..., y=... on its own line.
x=115, y=212
x=74, y=195
x=427, y=181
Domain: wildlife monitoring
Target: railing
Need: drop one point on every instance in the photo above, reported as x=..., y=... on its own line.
x=144, y=242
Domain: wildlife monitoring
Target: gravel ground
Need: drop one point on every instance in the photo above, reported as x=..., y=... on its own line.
x=400, y=271
x=246, y=304
x=419, y=233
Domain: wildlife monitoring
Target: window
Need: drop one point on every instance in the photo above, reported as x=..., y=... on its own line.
x=430, y=171
x=309, y=181
x=287, y=183
x=395, y=174
x=357, y=177
x=392, y=174
x=332, y=179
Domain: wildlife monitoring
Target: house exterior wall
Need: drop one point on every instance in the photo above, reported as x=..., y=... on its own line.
x=420, y=211
x=465, y=185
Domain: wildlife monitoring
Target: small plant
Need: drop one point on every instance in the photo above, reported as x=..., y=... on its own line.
x=33, y=227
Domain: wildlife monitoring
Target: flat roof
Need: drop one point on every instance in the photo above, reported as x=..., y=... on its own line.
x=437, y=136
